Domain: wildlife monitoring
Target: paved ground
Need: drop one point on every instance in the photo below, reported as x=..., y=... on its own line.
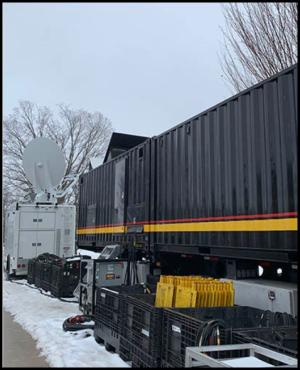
x=18, y=347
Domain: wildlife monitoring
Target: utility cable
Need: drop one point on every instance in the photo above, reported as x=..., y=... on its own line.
x=41, y=291
x=210, y=330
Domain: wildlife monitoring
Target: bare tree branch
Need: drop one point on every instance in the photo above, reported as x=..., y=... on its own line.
x=260, y=39
x=80, y=135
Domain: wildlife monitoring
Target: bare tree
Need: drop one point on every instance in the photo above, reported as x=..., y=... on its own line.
x=260, y=39
x=80, y=135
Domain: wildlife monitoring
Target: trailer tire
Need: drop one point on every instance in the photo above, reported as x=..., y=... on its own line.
x=109, y=348
x=98, y=339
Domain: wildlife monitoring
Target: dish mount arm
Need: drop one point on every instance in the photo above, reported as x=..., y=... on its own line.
x=72, y=180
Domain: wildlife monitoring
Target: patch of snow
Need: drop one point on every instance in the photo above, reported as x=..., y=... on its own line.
x=71, y=259
x=42, y=317
x=83, y=252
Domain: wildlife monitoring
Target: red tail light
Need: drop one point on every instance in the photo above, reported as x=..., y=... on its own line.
x=23, y=265
x=265, y=263
x=18, y=265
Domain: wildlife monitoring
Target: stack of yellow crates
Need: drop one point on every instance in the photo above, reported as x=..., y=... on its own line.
x=193, y=291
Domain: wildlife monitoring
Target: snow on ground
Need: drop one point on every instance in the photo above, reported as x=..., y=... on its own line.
x=85, y=252
x=42, y=317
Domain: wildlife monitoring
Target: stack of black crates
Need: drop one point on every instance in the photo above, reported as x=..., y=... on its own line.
x=56, y=275
x=46, y=272
x=39, y=270
x=279, y=339
x=182, y=328
x=127, y=322
x=131, y=325
x=65, y=277
x=110, y=313
x=146, y=331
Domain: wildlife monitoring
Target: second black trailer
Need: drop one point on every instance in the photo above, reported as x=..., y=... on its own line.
x=221, y=186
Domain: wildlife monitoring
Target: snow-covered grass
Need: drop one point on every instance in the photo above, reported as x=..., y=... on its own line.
x=42, y=317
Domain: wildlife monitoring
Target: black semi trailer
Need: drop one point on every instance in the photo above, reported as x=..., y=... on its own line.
x=217, y=193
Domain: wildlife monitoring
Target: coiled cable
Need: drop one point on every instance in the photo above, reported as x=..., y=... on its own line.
x=210, y=333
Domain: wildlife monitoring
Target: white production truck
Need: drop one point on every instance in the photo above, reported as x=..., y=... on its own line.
x=32, y=230
x=43, y=225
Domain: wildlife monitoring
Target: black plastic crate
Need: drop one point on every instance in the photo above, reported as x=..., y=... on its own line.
x=152, y=288
x=146, y=324
x=46, y=274
x=109, y=313
x=65, y=278
x=107, y=308
x=142, y=359
x=109, y=303
x=40, y=261
x=56, y=280
x=152, y=279
x=125, y=349
x=105, y=334
x=31, y=271
x=45, y=262
x=126, y=339
x=165, y=364
x=38, y=273
x=183, y=327
x=127, y=319
x=279, y=339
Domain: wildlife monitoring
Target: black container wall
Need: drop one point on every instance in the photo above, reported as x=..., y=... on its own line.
x=138, y=184
x=236, y=162
x=223, y=183
x=106, y=205
x=96, y=203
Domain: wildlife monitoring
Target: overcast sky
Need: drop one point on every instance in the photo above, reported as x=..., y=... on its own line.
x=146, y=67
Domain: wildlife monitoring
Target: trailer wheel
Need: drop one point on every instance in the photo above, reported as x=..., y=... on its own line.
x=98, y=339
x=109, y=348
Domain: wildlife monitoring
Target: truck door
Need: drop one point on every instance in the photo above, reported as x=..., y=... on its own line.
x=28, y=220
x=28, y=225
x=33, y=243
x=45, y=242
x=46, y=220
x=45, y=233
x=36, y=235
x=27, y=244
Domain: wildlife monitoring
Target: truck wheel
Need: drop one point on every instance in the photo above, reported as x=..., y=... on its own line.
x=7, y=267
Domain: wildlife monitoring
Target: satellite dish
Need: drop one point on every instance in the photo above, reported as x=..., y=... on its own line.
x=44, y=164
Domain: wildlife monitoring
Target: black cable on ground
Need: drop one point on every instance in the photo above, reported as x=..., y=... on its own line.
x=41, y=291
x=73, y=323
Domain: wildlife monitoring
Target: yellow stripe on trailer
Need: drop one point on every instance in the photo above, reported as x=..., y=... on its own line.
x=102, y=230
x=284, y=224
x=280, y=224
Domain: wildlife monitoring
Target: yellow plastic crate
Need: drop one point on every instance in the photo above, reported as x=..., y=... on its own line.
x=164, y=295
x=185, y=297
x=193, y=291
